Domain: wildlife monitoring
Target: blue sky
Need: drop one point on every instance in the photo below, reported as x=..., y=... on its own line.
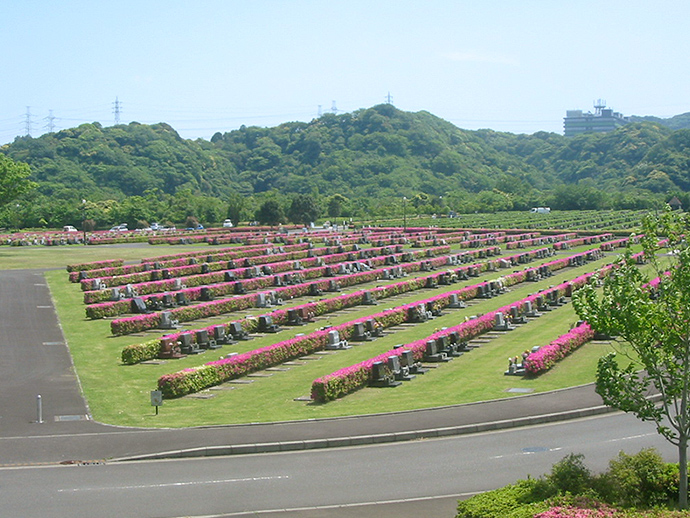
x=209, y=65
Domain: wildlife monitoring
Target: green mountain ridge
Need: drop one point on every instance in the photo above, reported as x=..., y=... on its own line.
x=375, y=155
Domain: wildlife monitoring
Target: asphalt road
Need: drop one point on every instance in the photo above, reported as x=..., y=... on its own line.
x=400, y=479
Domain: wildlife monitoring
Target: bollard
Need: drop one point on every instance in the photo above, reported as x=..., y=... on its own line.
x=39, y=408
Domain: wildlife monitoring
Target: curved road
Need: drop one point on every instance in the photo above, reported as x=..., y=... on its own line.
x=401, y=479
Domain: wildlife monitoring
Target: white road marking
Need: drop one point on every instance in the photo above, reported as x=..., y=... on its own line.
x=172, y=484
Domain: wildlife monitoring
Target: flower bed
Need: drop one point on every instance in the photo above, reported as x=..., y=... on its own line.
x=111, y=263
x=547, y=356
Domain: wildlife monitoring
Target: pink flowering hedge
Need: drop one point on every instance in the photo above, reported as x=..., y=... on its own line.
x=547, y=356
x=111, y=263
x=578, y=512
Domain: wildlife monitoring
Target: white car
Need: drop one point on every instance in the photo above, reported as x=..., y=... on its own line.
x=69, y=228
x=227, y=223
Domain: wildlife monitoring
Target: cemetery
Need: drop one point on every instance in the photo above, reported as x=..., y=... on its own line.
x=309, y=318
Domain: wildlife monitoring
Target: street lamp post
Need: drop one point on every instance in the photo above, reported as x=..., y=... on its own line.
x=83, y=219
x=405, y=214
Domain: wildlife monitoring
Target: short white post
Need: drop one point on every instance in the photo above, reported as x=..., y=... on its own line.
x=39, y=408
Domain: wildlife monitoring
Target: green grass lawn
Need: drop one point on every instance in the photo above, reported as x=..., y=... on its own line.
x=119, y=394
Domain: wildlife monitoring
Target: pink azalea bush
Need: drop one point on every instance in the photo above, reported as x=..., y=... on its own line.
x=547, y=356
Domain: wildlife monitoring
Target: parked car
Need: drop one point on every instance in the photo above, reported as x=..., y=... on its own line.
x=120, y=228
x=156, y=226
x=69, y=228
x=227, y=223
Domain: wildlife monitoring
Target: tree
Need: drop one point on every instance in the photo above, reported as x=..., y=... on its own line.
x=13, y=179
x=304, y=209
x=653, y=317
x=270, y=213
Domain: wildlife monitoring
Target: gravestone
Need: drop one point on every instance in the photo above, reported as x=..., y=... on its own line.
x=178, y=285
x=166, y=274
x=334, y=341
x=205, y=268
x=168, y=322
x=294, y=318
x=237, y=331
x=407, y=360
x=368, y=299
x=500, y=323
x=206, y=294
x=380, y=376
x=261, y=301
x=238, y=288
x=97, y=284
x=529, y=311
x=274, y=299
x=455, y=302
x=229, y=276
x=266, y=324
x=220, y=335
x=432, y=354
x=115, y=294
x=314, y=290
x=169, y=349
x=516, y=317
x=333, y=286
x=373, y=327
x=187, y=345
x=399, y=372
x=139, y=306
x=359, y=333
x=204, y=341
x=306, y=313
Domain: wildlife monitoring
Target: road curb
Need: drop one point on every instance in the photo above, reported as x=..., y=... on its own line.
x=362, y=440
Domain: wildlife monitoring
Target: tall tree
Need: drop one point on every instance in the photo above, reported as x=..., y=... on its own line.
x=304, y=209
x=14, y=179
x=270, y=213
x=651, y=316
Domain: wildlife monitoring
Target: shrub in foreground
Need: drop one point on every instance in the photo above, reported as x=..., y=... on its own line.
x=634, y=486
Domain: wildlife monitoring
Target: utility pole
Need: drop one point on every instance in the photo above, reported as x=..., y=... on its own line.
x=117, y=110
x=27, y=121
x=51, y=122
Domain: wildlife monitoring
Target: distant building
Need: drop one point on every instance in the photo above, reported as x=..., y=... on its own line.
x=675, y=203
x=602, y=120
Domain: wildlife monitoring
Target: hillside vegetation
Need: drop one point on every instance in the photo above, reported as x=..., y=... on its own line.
x=366, y=160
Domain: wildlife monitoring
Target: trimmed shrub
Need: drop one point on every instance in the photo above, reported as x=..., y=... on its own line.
x=640, y=480
x=512, y=501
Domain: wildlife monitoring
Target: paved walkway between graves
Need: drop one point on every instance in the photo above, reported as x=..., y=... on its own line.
x=35, y=360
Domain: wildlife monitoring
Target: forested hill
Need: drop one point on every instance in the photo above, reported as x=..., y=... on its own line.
x=374, y=153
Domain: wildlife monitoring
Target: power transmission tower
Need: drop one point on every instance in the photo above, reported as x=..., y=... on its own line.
x=51, y=121
x=389, y=99
x=117, y=109
x=334, y=109
x=28, y=122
